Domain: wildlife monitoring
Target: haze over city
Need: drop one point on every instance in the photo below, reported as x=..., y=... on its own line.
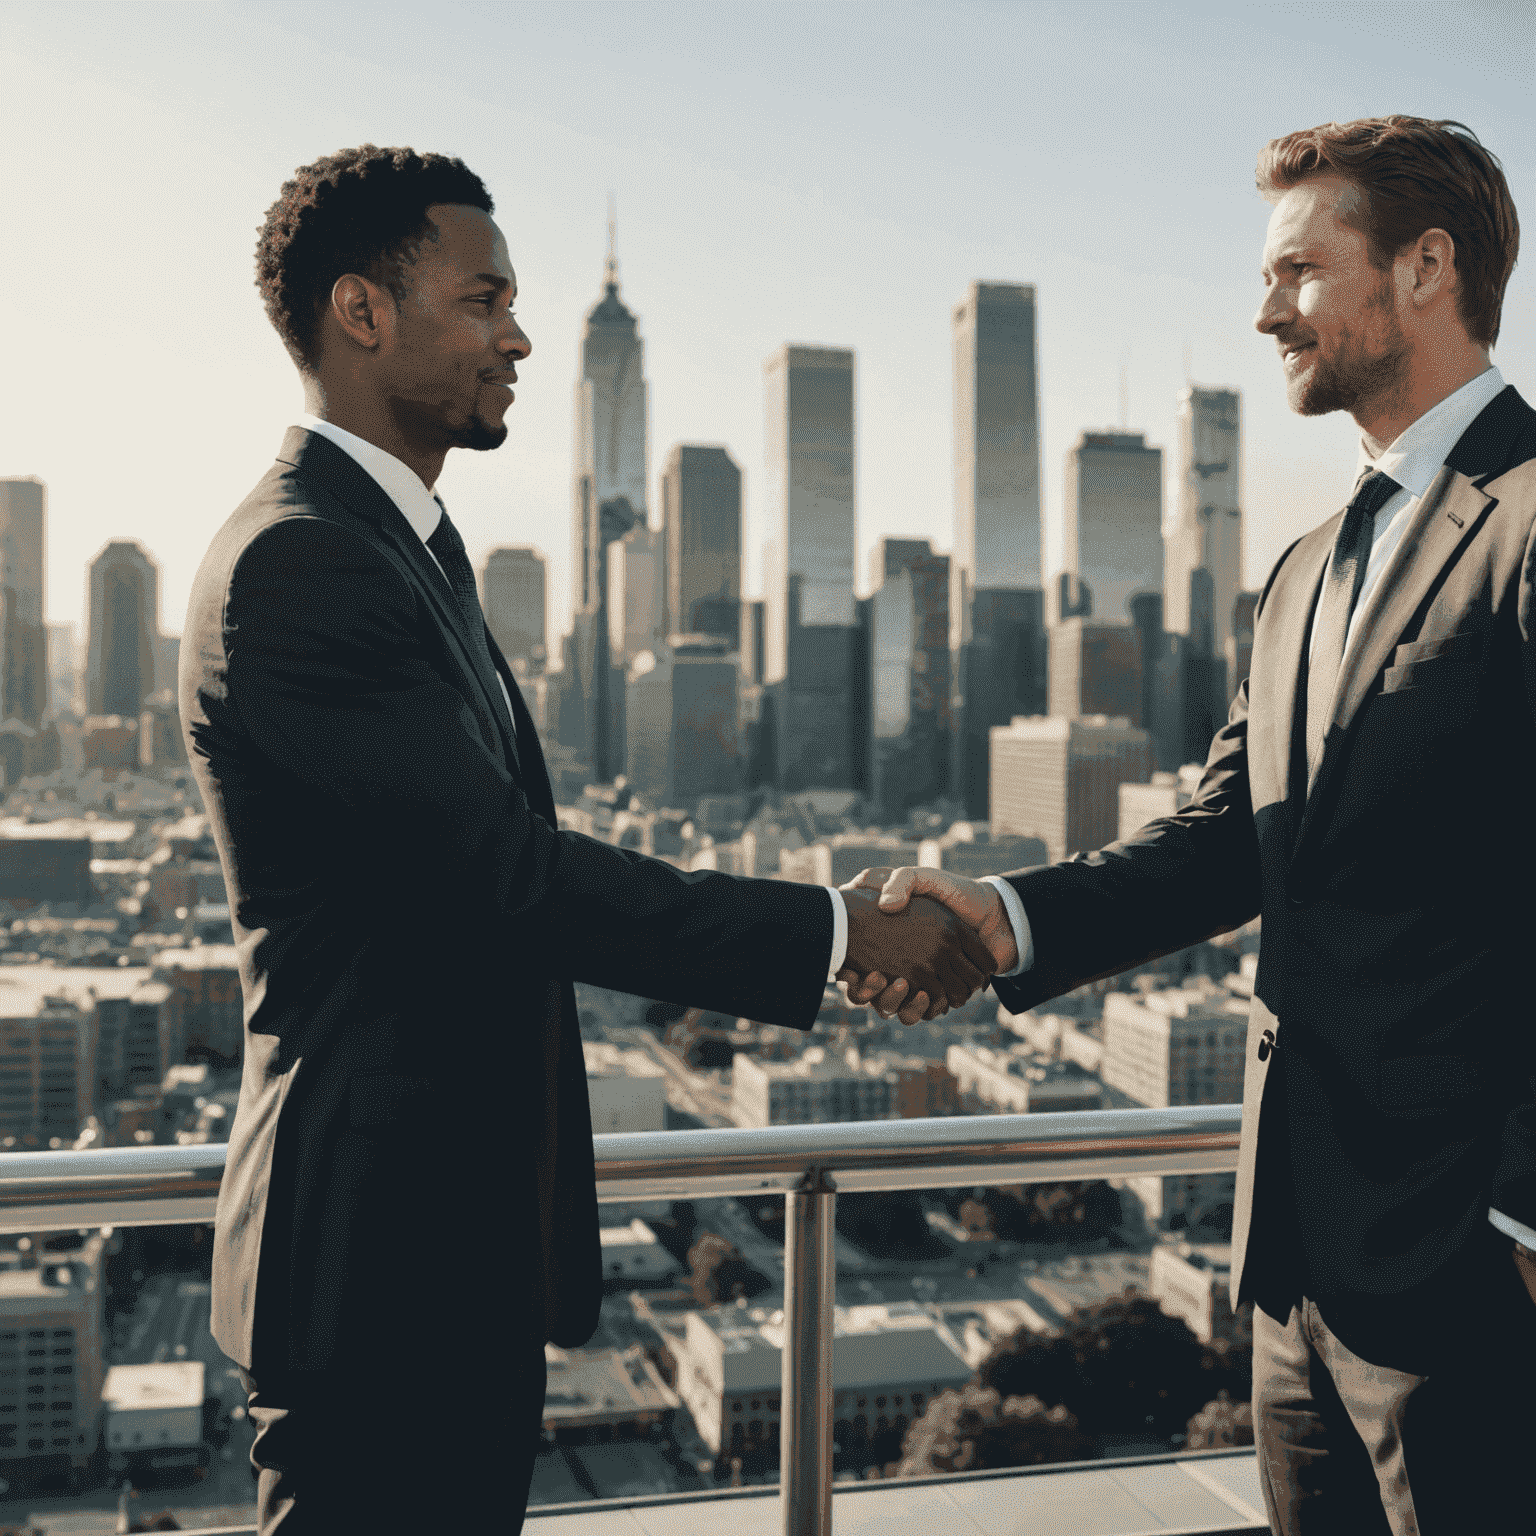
x=828, y=175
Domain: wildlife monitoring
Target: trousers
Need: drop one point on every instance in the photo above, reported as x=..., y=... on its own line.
x=1422, y=1427
x=439, y=1439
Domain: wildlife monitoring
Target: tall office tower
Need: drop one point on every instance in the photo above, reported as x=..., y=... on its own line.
x=1059, y=780
x=23, y=557
x=995, y=607
x=513, y=588
x=1112, y=527
x=61, y=667
x=909, y=676
x=167, y=660
x=1203, y=563
x=682, y=721
x=608, y=500
x=811, y=627
x=123, y=607
x=701, y=513
x=637, y=594
x=1096, y=669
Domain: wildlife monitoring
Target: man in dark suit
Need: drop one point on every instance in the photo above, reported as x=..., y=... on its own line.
x=408, y=1213
x=1370, y=797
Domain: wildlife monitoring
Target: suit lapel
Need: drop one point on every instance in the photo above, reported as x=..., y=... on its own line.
x=1279, y=647
x=1441, y=523
x=1444, y=521
x=343, y=477
x=535, y=773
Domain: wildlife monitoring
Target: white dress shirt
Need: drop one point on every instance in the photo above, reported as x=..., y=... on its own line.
x=421, y=509
x=1413, y=460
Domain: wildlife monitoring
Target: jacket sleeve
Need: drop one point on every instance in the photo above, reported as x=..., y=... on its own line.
x=1514, y=1176
x=329, y=673
x=1176, y=881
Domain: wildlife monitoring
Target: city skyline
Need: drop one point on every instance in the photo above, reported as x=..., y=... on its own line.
x=789, y=250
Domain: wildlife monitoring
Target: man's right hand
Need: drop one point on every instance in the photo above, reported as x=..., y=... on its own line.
x=975, y=903
x=938, y=956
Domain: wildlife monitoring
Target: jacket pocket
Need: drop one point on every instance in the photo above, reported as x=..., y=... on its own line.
x=1460, y=642
x=1439, y=671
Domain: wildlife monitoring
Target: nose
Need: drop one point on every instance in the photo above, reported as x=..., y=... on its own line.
x=1274, y=311
x=514, y=340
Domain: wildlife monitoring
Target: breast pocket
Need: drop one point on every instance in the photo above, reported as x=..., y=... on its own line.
x=1448, y=661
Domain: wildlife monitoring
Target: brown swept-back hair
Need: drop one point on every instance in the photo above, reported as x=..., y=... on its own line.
x=1414, y=174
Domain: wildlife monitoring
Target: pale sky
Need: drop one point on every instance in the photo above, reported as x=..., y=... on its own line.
x=827, y=173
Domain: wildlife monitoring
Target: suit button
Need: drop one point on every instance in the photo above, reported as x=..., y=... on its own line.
x=1267, y=1044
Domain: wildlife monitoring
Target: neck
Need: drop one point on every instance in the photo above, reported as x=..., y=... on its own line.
x=371, y=420
x=1432, y=373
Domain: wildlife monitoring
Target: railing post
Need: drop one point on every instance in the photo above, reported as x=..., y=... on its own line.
x=805, y=1417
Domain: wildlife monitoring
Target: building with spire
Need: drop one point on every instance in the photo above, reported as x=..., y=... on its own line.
x=608, y=499
x=1202, y=575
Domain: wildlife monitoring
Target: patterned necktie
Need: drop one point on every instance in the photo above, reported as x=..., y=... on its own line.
x=446, y=544
x=1351, y=552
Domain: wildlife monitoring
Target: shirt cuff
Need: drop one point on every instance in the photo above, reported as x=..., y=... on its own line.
x=1512, y=1228
x=1018, y=921
x=839, y=932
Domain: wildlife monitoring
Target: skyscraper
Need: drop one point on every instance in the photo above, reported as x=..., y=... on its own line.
x=811, y=633
x=1112, y=527
x=514, y=586
x=23, y=544
x=123, y=606
x=637, y=588
x=608, y=500
x=995, y=607
x=997, y=444
x=701, y=514
x=909, y=676
x=1203, y=565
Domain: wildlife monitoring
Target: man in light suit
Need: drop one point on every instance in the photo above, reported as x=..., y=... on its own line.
x=1370, y=796
x=408, y=1212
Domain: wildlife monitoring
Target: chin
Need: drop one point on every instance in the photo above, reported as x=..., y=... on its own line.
x=481, y=436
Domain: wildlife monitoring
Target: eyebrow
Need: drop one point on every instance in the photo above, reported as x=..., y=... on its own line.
x=490, y=279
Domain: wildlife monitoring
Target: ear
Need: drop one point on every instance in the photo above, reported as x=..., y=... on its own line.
x=362, y=310
x=1433, y=257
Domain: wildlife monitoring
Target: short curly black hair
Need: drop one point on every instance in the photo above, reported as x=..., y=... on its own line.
x=360, y=210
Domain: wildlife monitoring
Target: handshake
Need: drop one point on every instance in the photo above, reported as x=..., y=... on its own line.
x=921, y=941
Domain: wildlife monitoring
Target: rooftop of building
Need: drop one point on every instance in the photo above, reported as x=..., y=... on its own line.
x=65, y=829
x=158, y=1384
x=876, y=1345
x=636, y=1234
x=604, y=1059
x=594, y=1386
x=199, y=957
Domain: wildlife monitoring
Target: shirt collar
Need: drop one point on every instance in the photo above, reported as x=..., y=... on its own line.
x=1415, y=457
x=419, y=506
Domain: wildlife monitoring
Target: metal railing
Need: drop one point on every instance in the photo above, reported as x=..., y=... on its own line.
x=808, y=1164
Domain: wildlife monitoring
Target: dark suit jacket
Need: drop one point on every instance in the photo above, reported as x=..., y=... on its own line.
x=1396, y=896
x=409, y=922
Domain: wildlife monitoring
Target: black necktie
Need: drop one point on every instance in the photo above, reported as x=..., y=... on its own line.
x=1351, y=552
x=446, y=544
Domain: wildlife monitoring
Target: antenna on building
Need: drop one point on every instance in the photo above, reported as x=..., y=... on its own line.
x=611, y=266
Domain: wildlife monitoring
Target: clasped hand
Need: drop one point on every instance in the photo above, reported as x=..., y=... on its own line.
x=924, y=943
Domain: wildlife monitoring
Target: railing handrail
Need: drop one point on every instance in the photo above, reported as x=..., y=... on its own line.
x=142, y=1186
x=145, y=1186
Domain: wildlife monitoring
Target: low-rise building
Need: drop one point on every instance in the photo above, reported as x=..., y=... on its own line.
x=603, y=1394
x=1191, y=1281
x=632, y=1256
x=153, y=1416
x=626, y=1088
x=1019, y=1080
x=51, y=1361
x=205, y=1012
x=887, y=1362
x=815, y=1089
